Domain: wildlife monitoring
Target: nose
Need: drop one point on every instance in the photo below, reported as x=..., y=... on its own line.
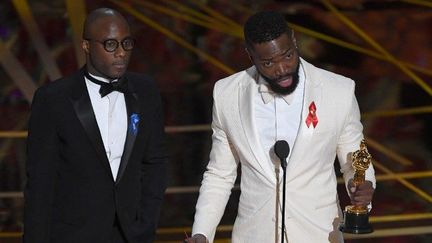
x=120, y=52
x=281, y=69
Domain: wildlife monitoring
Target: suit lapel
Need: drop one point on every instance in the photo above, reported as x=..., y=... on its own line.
x=134, y=119
x=84, y=111
x=312, y=93
x=247, y=90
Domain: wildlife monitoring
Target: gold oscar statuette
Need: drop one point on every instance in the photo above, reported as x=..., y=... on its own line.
x=356, y=218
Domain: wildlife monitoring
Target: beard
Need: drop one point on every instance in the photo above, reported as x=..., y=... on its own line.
x=273, y=83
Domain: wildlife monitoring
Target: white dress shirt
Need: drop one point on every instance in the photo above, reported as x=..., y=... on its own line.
x=111, y=117
x=278, y=117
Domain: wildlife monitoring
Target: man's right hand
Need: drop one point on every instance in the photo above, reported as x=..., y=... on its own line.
x=198, y=238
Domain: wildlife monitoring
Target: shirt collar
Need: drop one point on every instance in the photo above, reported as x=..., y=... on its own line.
x=268, y=95
x=102, y=79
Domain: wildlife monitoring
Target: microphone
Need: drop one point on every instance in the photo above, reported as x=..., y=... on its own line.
x=282, y=150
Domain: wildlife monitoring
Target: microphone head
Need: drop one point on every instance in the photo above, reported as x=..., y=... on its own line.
x=281, y=149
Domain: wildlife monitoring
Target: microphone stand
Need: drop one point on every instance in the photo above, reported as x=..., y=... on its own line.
x=281, y=148
x=284, y=165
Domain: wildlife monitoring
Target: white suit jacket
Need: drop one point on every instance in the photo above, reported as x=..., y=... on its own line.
x=312, y=208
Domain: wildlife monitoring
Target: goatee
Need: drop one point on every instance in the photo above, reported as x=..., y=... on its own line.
x=284, y=90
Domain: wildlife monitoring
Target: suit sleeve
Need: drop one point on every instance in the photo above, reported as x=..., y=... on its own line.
x=218, y=180
x=349, y=141
x=42, y=158
x=153, y=170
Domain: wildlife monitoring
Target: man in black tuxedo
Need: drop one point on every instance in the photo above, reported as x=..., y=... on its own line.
x=96, y=162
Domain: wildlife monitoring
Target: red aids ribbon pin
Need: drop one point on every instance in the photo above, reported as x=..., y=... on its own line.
x=312, y=117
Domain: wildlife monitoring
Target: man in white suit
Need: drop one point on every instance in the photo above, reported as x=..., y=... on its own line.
x=282, y=97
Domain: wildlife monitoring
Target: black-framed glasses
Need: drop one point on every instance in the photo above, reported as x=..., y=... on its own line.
x=110, y=45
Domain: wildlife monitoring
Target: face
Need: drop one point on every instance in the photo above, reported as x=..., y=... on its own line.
x=278, y=63
x=100, y=62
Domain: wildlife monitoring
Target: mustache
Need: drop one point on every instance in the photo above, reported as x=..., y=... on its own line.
x=287, y=76
x=119, y=63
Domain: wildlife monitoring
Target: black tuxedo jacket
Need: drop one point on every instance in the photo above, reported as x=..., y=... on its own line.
x=70, y=195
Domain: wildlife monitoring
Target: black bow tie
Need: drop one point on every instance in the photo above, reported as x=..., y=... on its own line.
x=106, y=88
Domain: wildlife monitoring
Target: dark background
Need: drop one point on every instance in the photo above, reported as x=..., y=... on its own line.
x=402, y=143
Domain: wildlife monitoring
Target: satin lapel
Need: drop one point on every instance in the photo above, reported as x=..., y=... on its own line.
x=132, y=106
x=247, y=90
x=312, y=93
x=84, y=111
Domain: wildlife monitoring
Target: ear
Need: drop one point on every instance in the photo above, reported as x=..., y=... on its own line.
x=85, y=45
x=249, y=54
x=294, y=39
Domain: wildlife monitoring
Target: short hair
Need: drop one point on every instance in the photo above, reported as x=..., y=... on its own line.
x=264, y=26
x=97, y=14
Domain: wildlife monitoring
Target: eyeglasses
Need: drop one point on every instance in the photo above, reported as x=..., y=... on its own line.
x=110, y=45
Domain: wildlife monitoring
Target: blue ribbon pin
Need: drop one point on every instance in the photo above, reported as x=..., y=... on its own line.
x=134, y=120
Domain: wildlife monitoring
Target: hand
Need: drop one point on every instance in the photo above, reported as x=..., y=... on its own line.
x=362, y=194
x=198, y=238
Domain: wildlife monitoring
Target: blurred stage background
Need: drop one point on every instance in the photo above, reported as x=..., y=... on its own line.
x=187, y=45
